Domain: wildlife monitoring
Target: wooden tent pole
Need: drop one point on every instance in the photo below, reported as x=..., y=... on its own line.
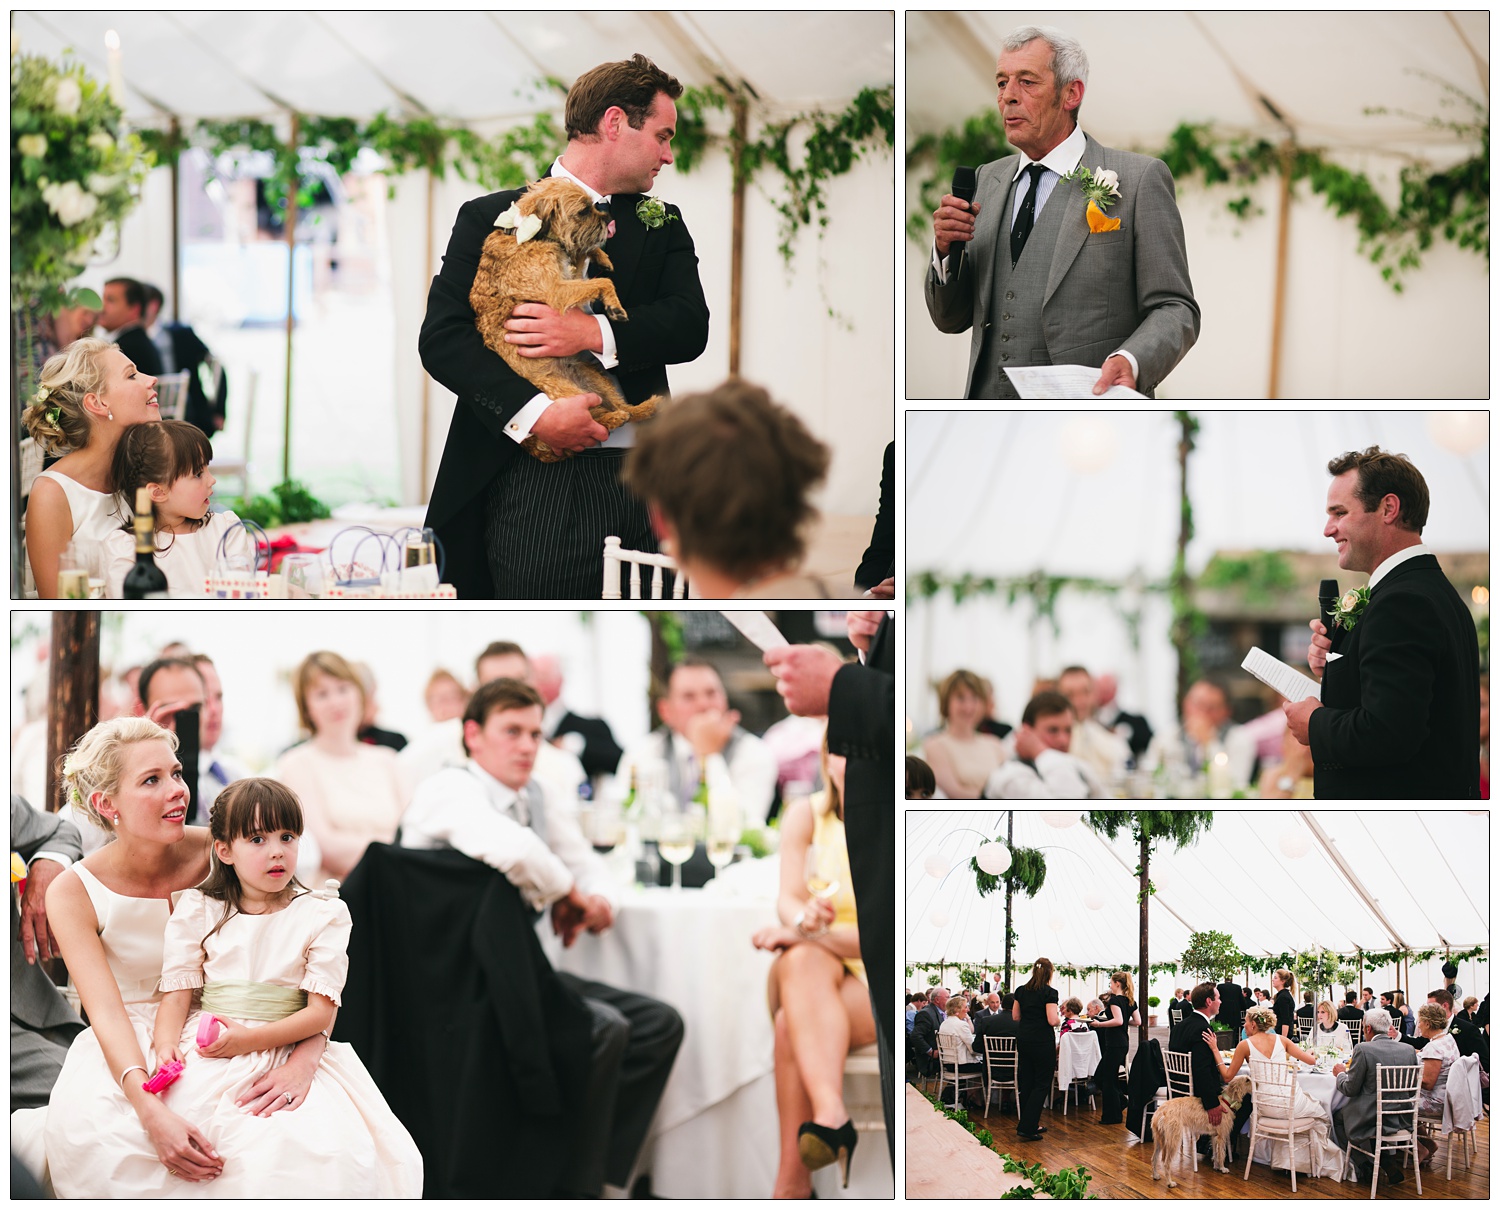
x=176, y=167
x=72, y=688
x=426, y=381
x=290, y=230
x=1278, y=311
x=737, y=230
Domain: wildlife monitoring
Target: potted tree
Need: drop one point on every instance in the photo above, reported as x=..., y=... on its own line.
x=1215, y=956
x=1152, y=1002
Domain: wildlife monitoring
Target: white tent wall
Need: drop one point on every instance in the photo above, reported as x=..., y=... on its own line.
x=1428, y=873
x=1321, y=70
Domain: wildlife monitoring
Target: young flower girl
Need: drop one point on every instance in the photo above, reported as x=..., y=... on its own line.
x=171, y=460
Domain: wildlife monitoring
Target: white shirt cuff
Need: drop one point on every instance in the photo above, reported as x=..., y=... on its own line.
x=520, y=424
x=609, y=354
x=940, y=266
x=1134, y=365
x=61, y=859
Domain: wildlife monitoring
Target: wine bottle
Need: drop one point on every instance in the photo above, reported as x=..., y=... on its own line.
x=145, y=581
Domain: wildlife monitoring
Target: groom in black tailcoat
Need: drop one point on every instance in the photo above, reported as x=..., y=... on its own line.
x=512, y=526
x=1399, y=715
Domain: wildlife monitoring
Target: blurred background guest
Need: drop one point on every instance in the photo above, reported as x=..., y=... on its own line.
x=1207, y=730
x=961, y=756
x=1132, y=728
x=370, y=732
x=445, y=696
x=1094, y=744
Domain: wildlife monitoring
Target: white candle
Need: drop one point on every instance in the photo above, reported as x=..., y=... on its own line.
x=116, y=72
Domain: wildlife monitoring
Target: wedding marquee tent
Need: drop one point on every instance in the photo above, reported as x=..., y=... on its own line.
x=1096, y=495
x=1275, y=881
x=817, y=334
x=1261, y=75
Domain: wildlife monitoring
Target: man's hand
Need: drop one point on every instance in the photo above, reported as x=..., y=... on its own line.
x=804, y=677
x=1214, y=1114
x=1029, y=744
x=570, y=916
x=709, y=732
x=36, y=937
x=1116, y=371
x=542, y=332
x=953, y=222
x=1318, y=648
x=861, y=625
x=164, y=714
x=597, y=914
x=884, y=591
x=1297, y=714
x=567, y=426
x=1339, y=1069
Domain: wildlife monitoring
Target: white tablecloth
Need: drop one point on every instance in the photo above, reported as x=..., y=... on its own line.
x=715, y=1132
x=1078, y=1057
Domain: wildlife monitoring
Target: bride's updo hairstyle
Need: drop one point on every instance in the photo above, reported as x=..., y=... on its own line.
x=56, y=418
x=97, y=762
x=1264, y=1018
x=247, y=807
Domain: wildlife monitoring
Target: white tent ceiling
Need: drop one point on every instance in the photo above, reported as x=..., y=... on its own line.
x=466, y=65
x=1424, y=877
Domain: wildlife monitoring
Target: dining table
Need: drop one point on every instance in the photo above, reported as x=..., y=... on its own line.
x=1321, y=1085
x=1078, y=1054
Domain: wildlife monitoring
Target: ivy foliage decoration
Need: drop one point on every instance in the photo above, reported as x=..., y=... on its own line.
x=1069, y=1184
x=1189, y=623
x=1261, y=576
x=1027, y=872
x=1212, y=955
x=1395, y=957
x=1453, y=203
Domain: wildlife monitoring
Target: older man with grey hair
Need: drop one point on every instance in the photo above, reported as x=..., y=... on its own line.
x=1359, y=1081
x=1074, y=251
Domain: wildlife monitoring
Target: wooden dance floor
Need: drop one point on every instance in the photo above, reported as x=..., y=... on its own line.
x=940, y=1166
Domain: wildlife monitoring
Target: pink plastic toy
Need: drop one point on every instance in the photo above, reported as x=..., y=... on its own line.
x=165, y=1076
x=209, y=1027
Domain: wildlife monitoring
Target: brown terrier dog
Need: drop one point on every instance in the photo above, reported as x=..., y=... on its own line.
x=550, y=267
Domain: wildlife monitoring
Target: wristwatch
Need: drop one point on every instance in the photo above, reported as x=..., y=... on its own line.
x=800, y=924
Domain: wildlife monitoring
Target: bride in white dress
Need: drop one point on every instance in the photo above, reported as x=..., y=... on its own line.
x=1263, y=1043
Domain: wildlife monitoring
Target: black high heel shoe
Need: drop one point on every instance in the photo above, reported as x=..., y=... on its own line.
x=820, y=1146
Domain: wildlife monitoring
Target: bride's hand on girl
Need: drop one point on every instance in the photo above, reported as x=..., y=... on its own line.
x=285, y=1087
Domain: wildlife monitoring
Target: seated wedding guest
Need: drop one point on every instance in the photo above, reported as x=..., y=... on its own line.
x=1132, y=728
x=1329, y=1030
x=1470, y=1004
x=959, y=1026
x=1041, y=767
x=587, y=738
x=1356, y=1121
x=990, y=724
x=1072, y=1010
x=42, y=1024
x=1292, y=778
x=491, y=808
x=920, y=782
x=1465, y=1033
x=915, y=1003
x=1307, y=1013
x=181, y=348
x=819, y=998
x=170, y=460
x=991, y=1007
x=1351, y=1014
x=1437, y=1059
x=351, y=793
x=961, y=756
x=87, y=396
x=445, y=696
x=1000, y=1023
x=216, y=768
x=727, y=477
x=123, y=316
x=1094, y=744
x=1405, y=1017
x=925, y=1030
x=701, y=739
x=1207, y=728
x=369, y=730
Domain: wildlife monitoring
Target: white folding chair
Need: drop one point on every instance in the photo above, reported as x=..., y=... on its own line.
x=1273, y=1091
x=1175, y=1015
x=31, y=458
x=171, y=395
x=1180, y=1083
x=615, y=554
x=950, y=1055
x=238, y=468
x=1395, y=1097
x=1000, y=1067
x=1305, y=1028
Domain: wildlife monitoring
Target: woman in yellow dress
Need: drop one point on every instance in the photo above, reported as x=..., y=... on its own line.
x=818, y=994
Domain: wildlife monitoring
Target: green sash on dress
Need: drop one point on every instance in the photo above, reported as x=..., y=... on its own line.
x=243, y=998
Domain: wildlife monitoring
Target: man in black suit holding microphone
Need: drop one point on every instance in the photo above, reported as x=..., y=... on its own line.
x=1399, y=716
x=513, y=526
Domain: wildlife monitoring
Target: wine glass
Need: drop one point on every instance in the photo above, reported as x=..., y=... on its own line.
x=607, y=827
x=74, y=572
x=303, y=572
x=675, y=836
x=723, y=833
x=820, y=872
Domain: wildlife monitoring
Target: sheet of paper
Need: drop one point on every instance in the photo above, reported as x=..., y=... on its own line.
x=1283, y=678
x=1063, y=382
x=756, y=627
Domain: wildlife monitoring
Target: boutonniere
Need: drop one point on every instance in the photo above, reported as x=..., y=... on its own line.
x=1102, y=188
x=652, y=212
x=524, y=225
x=1351, y=605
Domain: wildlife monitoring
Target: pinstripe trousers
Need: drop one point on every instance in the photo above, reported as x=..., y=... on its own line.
x=545, y=525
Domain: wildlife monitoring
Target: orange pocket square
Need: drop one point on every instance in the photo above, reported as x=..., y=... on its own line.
x=1099, y=221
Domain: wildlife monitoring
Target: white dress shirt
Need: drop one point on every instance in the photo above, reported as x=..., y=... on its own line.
x=464, y=808
x=443, y=744
x=1055, y=775
x=751, y=768
x=519, y=427
x=1389, y=564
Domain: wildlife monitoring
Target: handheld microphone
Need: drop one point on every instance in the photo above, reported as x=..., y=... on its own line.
x=1328, y=599
x=964, y=182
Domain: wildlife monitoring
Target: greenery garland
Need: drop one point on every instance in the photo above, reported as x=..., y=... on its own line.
x=1066, y=1183
x=1453, y=203
x=1027, y=872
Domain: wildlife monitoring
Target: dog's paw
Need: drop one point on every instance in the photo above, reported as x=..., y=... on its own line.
x=541, y=451
x=615, y=312
x=1171, y=1184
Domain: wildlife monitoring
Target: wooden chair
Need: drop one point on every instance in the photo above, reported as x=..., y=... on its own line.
x=1180, y=1082
x=1000, y=1067
x=950, y=1056
x=615, y=554
x=1395, y=1096
x=171, y=395
x=1273, y=1090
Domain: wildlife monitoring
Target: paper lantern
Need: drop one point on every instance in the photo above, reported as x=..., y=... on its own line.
x=994, y=858
x=937, y=865
x=1459, y=433
x=1061, y=819
x=1294, y=843
x=1057, y=924
x=1160, y=879
x=1093, y=901
x=939, y=919
x=1089, y=444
